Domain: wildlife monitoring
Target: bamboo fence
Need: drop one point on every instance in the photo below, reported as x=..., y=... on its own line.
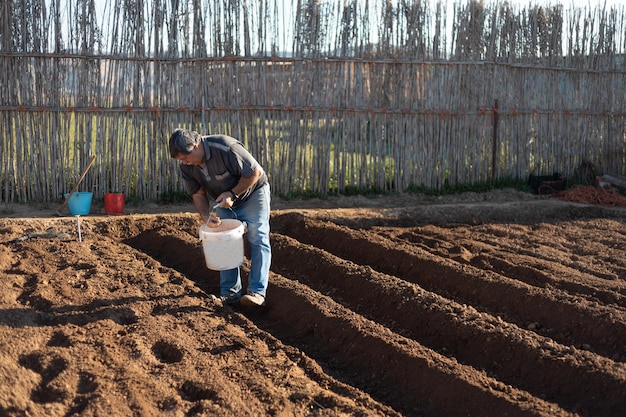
x=328, y=95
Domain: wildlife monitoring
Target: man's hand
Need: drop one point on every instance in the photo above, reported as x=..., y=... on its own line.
x=213, y=221
x=201, y=202
x=225, y=199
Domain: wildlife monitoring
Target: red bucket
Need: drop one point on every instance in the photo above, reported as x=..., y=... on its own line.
x=113, y=203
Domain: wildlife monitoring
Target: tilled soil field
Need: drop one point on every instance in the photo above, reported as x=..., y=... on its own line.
x=487, y=306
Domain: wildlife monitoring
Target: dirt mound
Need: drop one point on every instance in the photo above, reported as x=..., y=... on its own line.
x=481, y=305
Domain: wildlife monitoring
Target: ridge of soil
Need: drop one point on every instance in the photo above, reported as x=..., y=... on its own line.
x=477, y=304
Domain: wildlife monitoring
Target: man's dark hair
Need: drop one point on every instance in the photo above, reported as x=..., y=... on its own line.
x=182, y=142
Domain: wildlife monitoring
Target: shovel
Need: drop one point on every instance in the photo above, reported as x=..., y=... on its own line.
x=82, y=176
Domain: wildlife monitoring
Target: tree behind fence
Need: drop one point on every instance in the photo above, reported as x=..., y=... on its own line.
x=327, y=95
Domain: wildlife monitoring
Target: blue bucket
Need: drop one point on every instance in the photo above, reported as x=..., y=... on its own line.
x=79, y=203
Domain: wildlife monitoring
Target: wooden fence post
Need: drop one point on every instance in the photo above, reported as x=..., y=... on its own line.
x=494, y=147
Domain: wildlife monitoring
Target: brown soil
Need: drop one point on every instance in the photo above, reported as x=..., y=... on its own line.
x=495, y=304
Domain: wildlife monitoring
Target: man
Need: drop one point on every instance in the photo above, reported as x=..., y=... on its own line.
x=219, y=167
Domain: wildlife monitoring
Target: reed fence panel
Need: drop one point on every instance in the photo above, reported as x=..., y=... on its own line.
x=329, y=96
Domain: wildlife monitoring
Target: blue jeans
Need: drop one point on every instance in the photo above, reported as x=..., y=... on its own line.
x=255, y=212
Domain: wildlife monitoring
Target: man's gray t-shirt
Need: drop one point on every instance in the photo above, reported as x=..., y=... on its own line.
x=226, y=161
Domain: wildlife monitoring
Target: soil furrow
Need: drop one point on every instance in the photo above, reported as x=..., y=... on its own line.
x=181, y=354
x=567, y=319
x=485, y=342
x=473, y=305
x=411, y=378
x=537, y=241
x=529, y=269
x=401, y=385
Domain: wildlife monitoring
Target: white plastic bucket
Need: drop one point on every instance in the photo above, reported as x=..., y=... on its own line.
x=223, y=245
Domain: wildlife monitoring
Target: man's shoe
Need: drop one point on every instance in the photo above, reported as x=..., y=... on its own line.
x=252, y=299
x=226, y=299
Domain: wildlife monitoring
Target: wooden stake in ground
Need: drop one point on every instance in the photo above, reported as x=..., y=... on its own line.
x=82, y=176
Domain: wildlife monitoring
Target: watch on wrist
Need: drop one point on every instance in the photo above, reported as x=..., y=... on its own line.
x=235, y=196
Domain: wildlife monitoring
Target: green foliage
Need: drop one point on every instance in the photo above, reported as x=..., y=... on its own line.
x=181, y=197
x=134, y=201
x=351, y=190
x=175, y=197
x=479, y=187
x=584, y=174
x=303, y=194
